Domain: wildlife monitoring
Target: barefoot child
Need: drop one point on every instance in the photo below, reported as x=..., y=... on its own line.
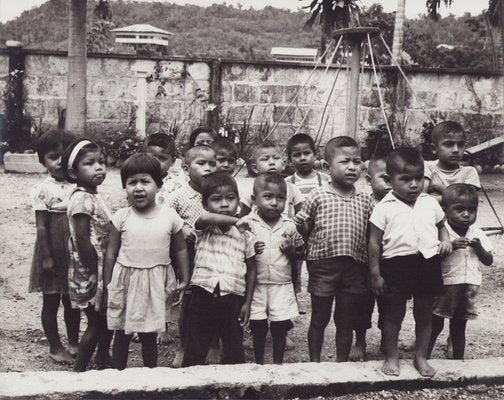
x=223, y=282
x=277, y=244
x=334, y=218
x=407, y=240
x=49, y=271
x=84, y=164
x=137, y=262
x=461, y=269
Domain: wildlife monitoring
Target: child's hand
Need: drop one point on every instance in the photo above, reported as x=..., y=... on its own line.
x=437, y=186
x=48, y=266
x=445, y=248
x=378, y=285
x=287, y=247
x=474, y=243
x=244, y=315
x=460, y=243
x=259, y=247
x=297, y=220
x=189, y=235
x=178, y=293
x=243, y=225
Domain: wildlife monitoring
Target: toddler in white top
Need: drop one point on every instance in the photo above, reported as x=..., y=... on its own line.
x=138, y=270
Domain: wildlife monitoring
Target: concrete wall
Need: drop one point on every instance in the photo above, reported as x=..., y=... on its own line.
x=263, y=89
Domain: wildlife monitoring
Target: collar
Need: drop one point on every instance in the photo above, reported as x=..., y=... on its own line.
x=330, y=189
x=190, y=192
x=469, y=234
x=254, y=216
x=389, y=197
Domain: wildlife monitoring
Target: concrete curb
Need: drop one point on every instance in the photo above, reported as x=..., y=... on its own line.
x=244, y=381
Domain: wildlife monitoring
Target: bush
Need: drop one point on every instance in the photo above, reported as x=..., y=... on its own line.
x=118, y=146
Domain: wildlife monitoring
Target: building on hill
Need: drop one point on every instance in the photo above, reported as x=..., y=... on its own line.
x=142, y=35
x=295, y=54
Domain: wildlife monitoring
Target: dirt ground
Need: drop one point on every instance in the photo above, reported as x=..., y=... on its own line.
x=23, y=346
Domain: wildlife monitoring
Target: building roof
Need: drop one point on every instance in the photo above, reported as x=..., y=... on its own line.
x=141, y=28
x=293, y=51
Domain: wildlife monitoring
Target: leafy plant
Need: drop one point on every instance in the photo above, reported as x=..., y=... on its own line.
x=118, y=146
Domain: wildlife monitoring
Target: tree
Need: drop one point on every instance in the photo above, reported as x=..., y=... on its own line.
x=398, y=30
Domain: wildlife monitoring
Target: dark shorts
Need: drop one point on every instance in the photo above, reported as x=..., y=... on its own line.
x=336, y=275
x=364, y=315
x=458, y=302
x=412, y=275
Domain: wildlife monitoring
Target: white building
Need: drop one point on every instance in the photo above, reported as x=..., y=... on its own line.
x=142, y=34
x=294, y=54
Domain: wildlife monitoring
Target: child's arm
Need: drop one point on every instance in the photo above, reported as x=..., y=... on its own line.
x=445, y=247
x=85, y=249
x=374, y=252
x=111, y=253
x=250, y=282
x=244, y=210
x=181, y=259
x=42, y=222
x=485, y=256
x=212, y=219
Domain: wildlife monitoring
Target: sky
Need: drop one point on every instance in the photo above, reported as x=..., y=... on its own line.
x=10, y=9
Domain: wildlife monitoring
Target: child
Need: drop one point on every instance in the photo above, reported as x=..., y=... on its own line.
x=448, y=143
x=334, y=218
x=461, y=269
x=202, y=136
x=277, y=244
x=137, y=262
x=84, y=164
x=226, y=155
x=223, y=282
x=49, y=270
x=407, y=238
x=380, y=185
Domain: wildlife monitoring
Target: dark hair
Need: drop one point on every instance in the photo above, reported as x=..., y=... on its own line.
x=398, y=159
x=269, y=177
x=214, y=181
x=162, y=140
x=142, y=163
x=52, y=140
x=458, y=190
x=374, y=161
x=336, y=143
x=265, y=144
x=66, y=155
x=194, y=151
x=443, y=128
x=197, y=131
x=223, y=144
x=297, y=139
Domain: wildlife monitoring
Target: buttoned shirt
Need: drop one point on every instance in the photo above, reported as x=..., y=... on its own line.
x=188, y=204
x=273, y=266
x=338, y=224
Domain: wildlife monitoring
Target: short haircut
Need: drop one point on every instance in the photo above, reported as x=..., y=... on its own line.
x=398, y=159
x=373, y=163
x=52, y=140
x=265, y=144
x=142, y=163
x=223, y=144
x=88, y=148
x=454, y=192
x=214, y=181
x=162, y=140
x=201, y=129
x=195, y=151
x=298, y=139
x=336, y=143
x=444, y=128
x=273, y=178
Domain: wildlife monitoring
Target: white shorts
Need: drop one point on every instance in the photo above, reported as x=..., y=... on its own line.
x=276, y=302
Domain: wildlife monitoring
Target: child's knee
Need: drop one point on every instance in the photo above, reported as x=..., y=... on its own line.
x=280, y=328
x=259, y=327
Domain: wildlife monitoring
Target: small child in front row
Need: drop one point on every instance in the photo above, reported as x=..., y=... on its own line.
x=277, y=244
x=226, y=155
x=84, y=164
x=334, y=218
x=407, y=240
x=223, y=282
x=461, y=269
x=49, y=271
x=138, y=271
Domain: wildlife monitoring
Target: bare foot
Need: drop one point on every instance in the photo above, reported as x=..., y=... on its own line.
x=449, y=348
x=407, y=345
x=61, y=356
x=213, y=357
x=73, y=349
x=179, y=359
x=164, y=338
x=391, y=366
x=289, y=344
x=357, y=353
x=423, y=367
x=103, y=363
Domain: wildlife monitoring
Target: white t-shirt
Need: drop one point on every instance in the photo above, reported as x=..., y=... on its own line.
x=408, y=229
x=463, y=174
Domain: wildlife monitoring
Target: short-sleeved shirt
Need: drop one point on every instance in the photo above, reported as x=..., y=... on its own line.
x=170, y=184
x=294, y=197
x=51, y=195
x=145, y=242
x=220, y=260
x=462, y=266
x=273, y=266
x=305, y=186
x=408, y=229
x=463, y=174
x=188, y=204
x=338, y=224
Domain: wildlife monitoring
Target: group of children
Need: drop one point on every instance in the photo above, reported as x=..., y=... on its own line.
x=227, y=257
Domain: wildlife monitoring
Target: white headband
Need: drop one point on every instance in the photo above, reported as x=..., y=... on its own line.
x=75, y=151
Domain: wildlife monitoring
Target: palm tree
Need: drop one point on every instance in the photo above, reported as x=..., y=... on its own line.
x=397, y=43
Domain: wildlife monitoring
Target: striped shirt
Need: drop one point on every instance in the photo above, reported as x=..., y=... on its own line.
x=220, y=260
x=337, y=224
x=305, y=186
x=188, y=203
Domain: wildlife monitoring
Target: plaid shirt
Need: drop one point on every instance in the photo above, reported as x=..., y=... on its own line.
x=220, y=259
x=338, y=224
x=188, y=203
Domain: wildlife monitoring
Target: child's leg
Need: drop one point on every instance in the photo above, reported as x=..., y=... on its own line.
x=395, y=309
x=214, y=354
x=229, y=329
x=321, y=314
x=120, y=349
x=437, y=328
x=422, y=311
x=89, y=339
x=457, y=332
x=259, y=329
x=182, y=328
x=149, y=349
x=102, y=358
x=72, y=322
x=344, y=316
x=279, y=331
x=363, y=323
x=49, y=317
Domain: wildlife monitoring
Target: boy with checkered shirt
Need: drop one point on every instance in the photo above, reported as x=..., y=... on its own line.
x=334, y=218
